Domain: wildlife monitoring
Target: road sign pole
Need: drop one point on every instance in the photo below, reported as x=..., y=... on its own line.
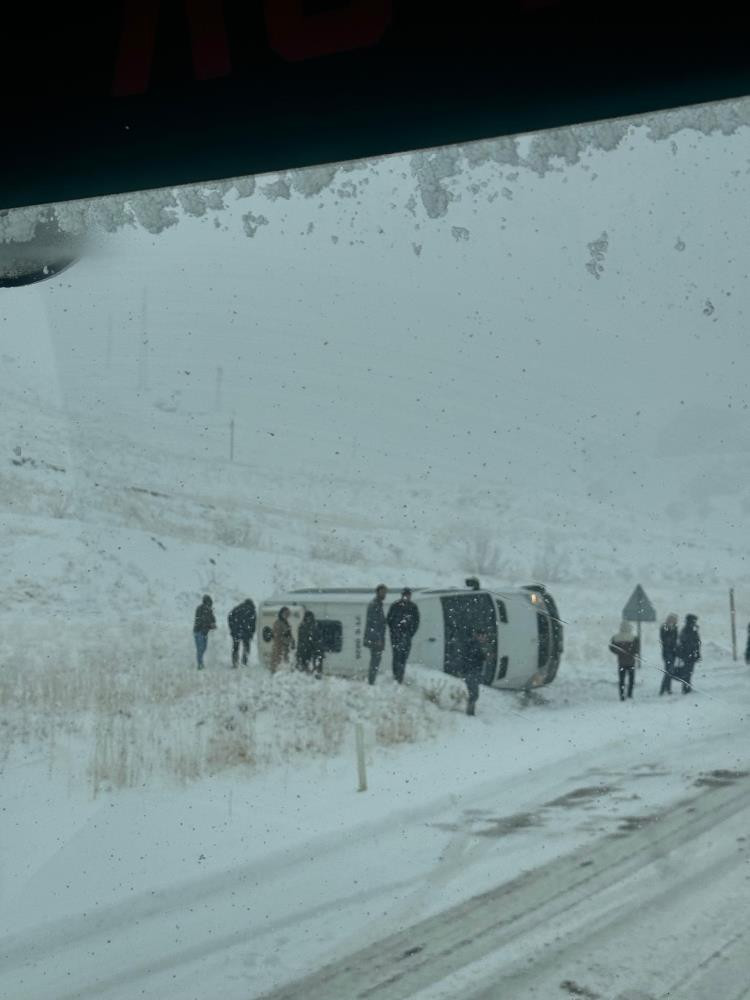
x=639, y=609
x=639, y=644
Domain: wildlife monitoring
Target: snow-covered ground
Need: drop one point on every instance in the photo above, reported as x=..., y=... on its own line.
x=251, y=878
x=167, y=833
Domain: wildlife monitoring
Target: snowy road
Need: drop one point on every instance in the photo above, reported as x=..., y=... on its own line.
x=618, y=864
x=617, y=918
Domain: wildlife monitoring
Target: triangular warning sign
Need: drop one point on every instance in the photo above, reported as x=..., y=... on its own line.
x=639, y=608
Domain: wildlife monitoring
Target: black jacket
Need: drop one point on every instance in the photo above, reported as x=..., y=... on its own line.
x=747, y=648
x=241, y=621
x=668, y=638
x=309, y=640
x=403, y=621
x=689, y=646
x=204, y=618
x=374, y=624
x=626, y=651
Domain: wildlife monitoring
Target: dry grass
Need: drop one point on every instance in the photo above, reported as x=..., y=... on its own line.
x=137, y=712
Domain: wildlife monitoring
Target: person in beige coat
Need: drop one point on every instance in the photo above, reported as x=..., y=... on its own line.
x=283, y=640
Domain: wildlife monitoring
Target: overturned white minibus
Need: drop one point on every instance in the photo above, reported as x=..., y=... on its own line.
x=525, y=632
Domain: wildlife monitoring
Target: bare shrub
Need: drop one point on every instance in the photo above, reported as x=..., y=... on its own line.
x=551, y=561
x=443, y=693
x=62, y=505
x=434, y=691
x=338, y=550
x=235, y=533
x=480, y=554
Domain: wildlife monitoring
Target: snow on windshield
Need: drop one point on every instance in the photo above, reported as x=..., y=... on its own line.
x=436, y=173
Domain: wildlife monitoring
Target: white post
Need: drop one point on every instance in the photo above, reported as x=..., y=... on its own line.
x=231, y=440
x=359, y=732
x=733, y=619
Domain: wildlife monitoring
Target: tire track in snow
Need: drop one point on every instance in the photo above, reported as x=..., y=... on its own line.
x=408, y=962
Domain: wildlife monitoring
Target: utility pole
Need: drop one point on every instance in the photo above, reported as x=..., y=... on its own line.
x=109, y=341
x=733, y=620
x=231, y=439
x=219, y=380
x=143, y=360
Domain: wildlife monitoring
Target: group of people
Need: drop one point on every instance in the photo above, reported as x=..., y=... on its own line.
x=241, y=621
x=680, y=650
x=402, y=623
x=309, y=647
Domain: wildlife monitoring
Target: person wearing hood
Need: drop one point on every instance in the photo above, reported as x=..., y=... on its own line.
x=403, y=622
x=626, y=648
x=283, y=640
x=668, y=635
x=204, y=623
x=241, y=623
x=689, y=651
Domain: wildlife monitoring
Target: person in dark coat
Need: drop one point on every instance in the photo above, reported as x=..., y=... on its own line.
x=668, y=635
x=204, y=623
x=310, y=651
x=626, y=648
x=473, y=661
x=374, y=637
x=689, y=651
x=403, y=622
x=241, y=623
x=747, y=647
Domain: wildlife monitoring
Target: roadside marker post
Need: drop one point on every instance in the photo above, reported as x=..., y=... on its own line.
x=359, y=734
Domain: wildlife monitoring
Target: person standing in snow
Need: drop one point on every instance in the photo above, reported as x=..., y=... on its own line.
x=747, y=647
x=241, y=623
x=474, y=658
x=626, y=648
x=374, y=637
x=204, y=623
x=309, y=645
x=283, y=640
x=668, y=634
x=403, y=622
x=689, y=651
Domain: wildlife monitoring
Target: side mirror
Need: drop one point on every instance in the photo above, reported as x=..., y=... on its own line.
x=46, y=254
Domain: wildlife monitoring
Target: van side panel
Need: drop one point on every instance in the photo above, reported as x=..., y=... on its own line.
x=518, y=638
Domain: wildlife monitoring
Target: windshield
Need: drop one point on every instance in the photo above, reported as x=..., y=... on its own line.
x=522, y=361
